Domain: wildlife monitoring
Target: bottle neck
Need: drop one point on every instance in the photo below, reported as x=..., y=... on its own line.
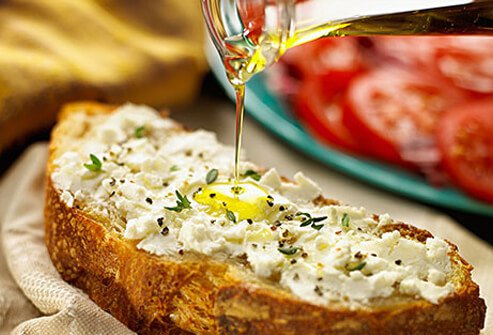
x=248, y=34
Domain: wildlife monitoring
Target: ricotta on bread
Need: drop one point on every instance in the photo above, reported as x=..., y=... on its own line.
x=166, y=192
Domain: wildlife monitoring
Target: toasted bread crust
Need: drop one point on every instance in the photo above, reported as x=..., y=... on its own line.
x=159, y=295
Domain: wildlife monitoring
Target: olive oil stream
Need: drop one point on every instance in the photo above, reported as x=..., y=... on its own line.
x=248, y=53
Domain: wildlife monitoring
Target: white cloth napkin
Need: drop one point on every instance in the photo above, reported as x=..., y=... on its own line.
x=60, y=308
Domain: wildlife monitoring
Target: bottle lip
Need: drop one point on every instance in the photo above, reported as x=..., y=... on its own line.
x=252, y=18
x=239, y=29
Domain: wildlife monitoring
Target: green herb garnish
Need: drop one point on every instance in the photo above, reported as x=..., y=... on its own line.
x=211, y=176
x=288, y=251
x=174, y=168
x=96, y=164
x=356, y=267
x=252, y=174
x=308, y=219
x=311, y=221
x=307, y=222
x=318, y=219
x=345, y=220
x=139, y=132
x=181, y=203
x=231, y=216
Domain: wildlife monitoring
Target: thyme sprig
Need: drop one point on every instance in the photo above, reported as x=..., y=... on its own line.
x=309, y=220
x=181, y=203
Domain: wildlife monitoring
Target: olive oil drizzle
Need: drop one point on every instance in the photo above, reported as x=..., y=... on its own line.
x=240, y=111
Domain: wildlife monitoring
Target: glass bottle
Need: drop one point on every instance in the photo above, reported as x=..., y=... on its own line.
x=252, y=34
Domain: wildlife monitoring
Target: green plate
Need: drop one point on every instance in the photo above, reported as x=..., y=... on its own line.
x=269, y=110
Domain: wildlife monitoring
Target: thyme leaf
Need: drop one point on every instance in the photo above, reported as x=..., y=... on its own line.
x=319, y=219
x=211, y=176
x=231, y=216
x=96, y=164
x=356, y=267
x=252, y=174
x=288, y=251
x=139, y=132
x=307, y=222
x=345, y=220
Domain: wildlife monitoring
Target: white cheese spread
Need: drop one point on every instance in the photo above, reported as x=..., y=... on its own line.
x=144, y=164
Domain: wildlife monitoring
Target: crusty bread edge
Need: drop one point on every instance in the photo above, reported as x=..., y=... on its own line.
x=155, y=295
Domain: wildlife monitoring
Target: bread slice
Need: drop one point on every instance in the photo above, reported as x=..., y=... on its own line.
x=198, y=294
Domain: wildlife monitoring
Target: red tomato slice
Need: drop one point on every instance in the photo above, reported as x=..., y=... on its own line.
x=468, y=62
x=322, y=115
x=393, y=113
x=409, y=51
x=465, y=138
x=335, y=60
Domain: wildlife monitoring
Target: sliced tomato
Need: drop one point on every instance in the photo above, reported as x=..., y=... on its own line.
x=335, y=60
x=412, y=51
x=465, y=138
x=322, y=115
x=393, y=112
x=467, y=62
